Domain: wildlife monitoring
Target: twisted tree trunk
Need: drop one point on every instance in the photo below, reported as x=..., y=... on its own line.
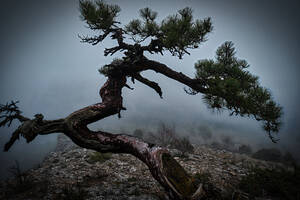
x=167, y=171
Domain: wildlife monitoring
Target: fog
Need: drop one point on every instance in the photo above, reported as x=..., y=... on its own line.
x=46, y=67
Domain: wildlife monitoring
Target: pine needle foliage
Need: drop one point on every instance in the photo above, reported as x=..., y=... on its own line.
x=225, y=82
x=230, y=86
x=176, y=34
x=98, y=15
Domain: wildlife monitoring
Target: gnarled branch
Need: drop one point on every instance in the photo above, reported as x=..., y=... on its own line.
x=30, y=128
x=177, y=183
x=9, y=112
x=177, y=34
x=149, y=83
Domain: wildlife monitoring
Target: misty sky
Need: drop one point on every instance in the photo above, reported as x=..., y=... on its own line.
x=45, y=67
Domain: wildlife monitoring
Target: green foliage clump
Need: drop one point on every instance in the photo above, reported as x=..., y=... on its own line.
x=229, y=86
x=272, y=183
x=224, y=81
x=180, y=32
x=176, y=33
x=140, y=30
x=268, y=155
x=98, y=157
x=98, y=15
x=113, y=68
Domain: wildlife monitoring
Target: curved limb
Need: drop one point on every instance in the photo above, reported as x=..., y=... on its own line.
x=249, y=100
x=30, y=128
x=167, y=171
x=149, y=83
x=175, y=180
x=144, y=64
x=15, y=136
x=161, y=68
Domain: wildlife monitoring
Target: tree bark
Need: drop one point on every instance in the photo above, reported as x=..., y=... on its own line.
x=177, y=183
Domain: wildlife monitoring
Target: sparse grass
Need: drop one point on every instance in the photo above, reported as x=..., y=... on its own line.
x=270, y=182
x=23, y=181
x=166, y=136
x=131, y=179
x=98, y=157
x=23, y=184
x=183, y=144
x=73, y=192
x=211, y=191
x=135, y=192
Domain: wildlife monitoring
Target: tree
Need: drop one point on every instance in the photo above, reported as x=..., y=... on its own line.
x=224, y=83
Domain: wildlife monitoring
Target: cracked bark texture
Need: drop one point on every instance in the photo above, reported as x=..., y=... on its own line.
x=177, y=183
x=216, y=80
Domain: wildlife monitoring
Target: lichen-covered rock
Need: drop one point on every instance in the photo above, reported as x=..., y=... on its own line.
x=66, y=174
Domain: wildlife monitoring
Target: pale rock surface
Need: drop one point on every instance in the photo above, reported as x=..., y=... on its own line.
x=123, y=176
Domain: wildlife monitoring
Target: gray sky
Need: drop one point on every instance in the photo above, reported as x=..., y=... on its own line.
x=45, y=67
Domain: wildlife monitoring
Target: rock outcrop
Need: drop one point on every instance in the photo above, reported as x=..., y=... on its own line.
x=68, y=173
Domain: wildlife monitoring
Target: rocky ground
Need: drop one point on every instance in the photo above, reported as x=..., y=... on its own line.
x=76, y=173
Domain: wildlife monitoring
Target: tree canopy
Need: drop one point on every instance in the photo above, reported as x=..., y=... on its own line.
x=224, y=81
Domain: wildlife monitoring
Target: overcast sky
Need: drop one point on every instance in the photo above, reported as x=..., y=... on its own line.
x=45, y=67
